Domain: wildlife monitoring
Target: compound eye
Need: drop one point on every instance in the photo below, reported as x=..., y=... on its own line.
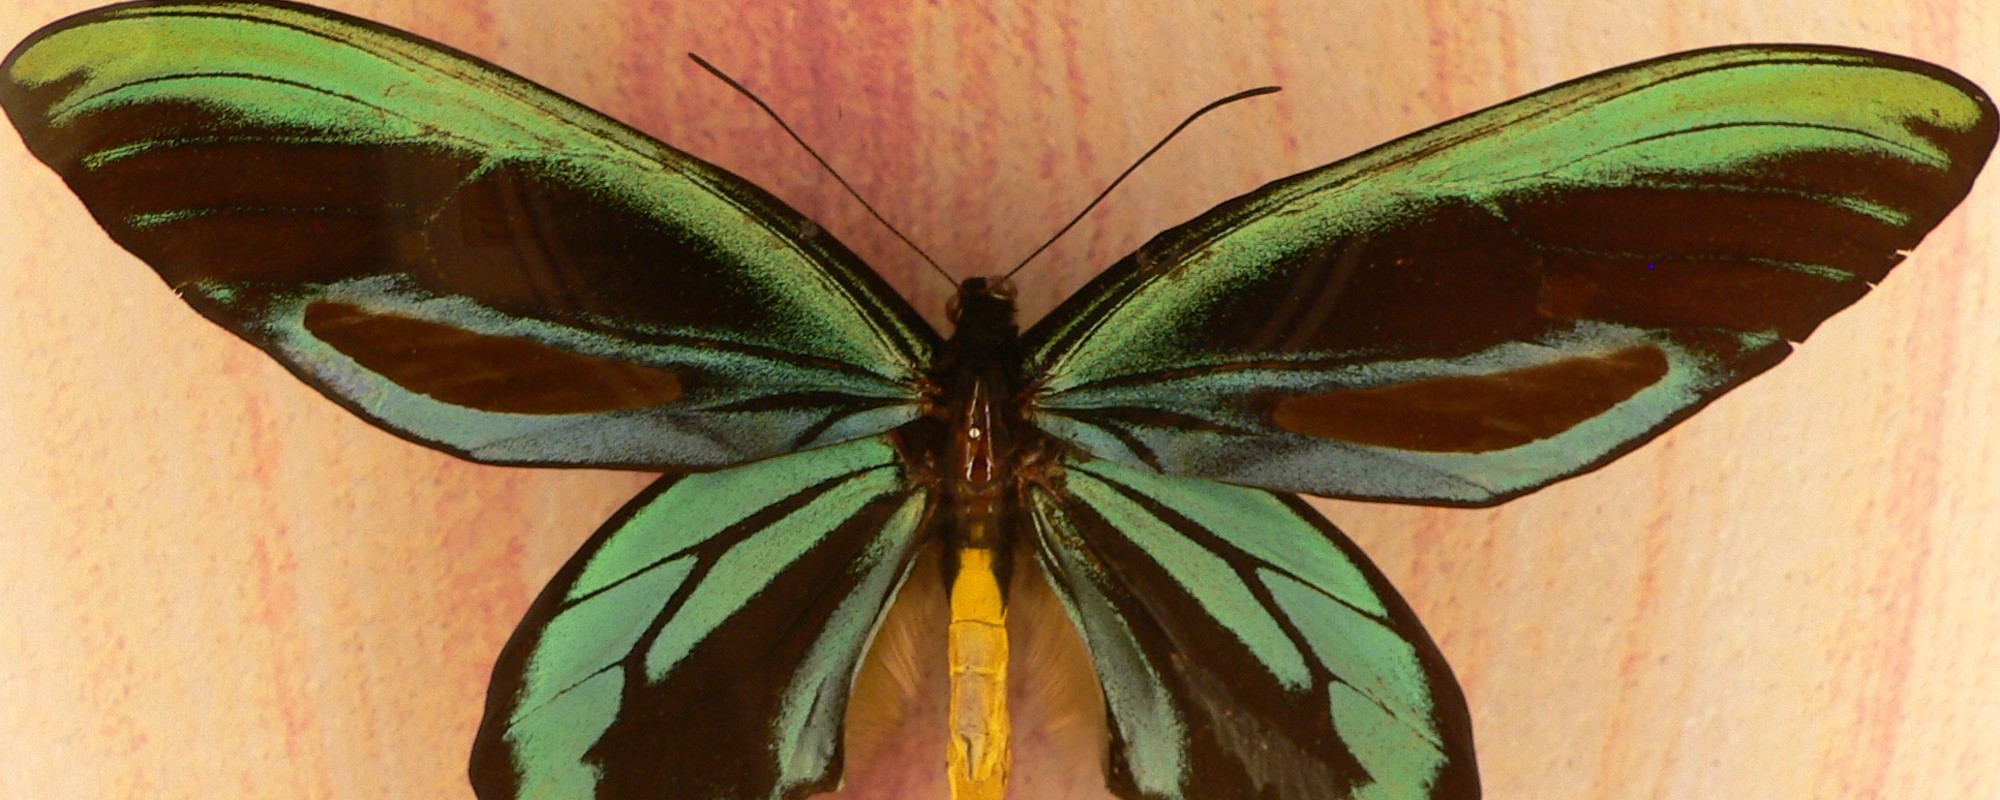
x=951, y=308
x=1002, y=288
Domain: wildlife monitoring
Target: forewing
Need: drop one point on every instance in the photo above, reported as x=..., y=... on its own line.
x=703, y=643
x=1246, y=648
x=1519, y=295
x=458, y=255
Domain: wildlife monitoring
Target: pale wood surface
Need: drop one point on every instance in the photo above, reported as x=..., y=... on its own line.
x=215, y=584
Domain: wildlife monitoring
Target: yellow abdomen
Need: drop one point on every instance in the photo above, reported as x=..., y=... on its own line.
x=978, y=650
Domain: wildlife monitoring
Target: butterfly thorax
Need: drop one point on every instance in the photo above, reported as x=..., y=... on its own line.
x=979, y=374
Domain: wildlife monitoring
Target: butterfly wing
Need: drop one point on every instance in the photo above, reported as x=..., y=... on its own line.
x=1246, y=648
x=460, y=256
x=1519, y=295
x=704, y=641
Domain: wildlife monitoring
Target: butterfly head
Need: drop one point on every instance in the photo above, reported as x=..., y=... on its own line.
x=982, y=303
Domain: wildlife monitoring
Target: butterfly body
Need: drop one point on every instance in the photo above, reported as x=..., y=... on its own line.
x=1462, y=316
x=989, y=453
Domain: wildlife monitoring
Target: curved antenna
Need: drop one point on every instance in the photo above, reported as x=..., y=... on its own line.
x=1242, y=95
x=822, y=162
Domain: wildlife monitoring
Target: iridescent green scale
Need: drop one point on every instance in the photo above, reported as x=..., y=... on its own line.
x=1458, y=317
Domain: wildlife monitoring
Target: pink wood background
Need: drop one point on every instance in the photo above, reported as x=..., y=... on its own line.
x=215, y=584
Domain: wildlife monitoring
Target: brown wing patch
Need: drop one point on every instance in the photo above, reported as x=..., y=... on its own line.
x=1476, y=414
x=503, y=374
x=1692, y=293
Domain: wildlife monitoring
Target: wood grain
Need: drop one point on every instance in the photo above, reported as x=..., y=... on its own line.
x=215, y=584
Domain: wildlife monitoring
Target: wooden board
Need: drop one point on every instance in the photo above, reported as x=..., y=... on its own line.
x=215, y=584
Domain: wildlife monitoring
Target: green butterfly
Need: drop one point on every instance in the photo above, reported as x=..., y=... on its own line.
x=1457, y=318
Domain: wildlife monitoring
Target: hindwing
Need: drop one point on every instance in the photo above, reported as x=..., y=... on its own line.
x=1246, y=648
x=703, y=643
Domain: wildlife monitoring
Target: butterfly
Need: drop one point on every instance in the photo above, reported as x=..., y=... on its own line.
x=1458, y=317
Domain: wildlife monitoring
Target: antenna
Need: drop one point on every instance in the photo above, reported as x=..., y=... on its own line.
x=1242, y=95
x=822, y=162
